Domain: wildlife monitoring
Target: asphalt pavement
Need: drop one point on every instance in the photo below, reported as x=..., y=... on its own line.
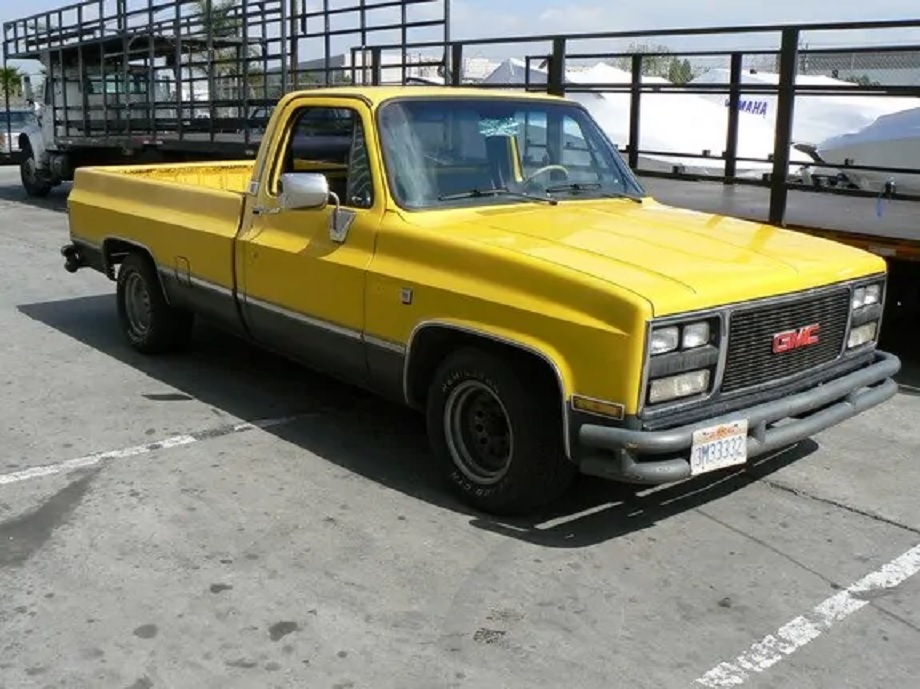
x=223, y=518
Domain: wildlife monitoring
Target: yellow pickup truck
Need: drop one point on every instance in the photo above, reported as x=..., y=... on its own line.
x=488, y=258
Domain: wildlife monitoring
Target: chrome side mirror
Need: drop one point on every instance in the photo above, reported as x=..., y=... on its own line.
x=303, y=191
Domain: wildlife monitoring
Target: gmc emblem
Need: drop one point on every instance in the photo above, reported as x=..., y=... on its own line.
x=796, y=339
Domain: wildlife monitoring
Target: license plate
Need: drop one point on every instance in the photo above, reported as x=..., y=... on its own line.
x=718, y=447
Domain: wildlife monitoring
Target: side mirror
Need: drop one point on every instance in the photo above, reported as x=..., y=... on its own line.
x=304, y=191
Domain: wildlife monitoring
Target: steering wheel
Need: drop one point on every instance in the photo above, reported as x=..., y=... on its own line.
x=543, y=170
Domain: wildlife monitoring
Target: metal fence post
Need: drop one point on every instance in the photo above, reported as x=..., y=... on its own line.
x=734, y=117
x=785, y=116
x=376, y=59
x=555, y=82
x=635, y=109
x=456, y=64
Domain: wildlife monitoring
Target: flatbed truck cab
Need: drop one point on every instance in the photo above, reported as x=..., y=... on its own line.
x=489, y=259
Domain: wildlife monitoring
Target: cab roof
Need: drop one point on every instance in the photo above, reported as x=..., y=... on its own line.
x=377, y=95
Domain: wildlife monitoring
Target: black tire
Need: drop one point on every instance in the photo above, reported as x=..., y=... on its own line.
x=150, y=324
x=34, y=185
x=534, y=470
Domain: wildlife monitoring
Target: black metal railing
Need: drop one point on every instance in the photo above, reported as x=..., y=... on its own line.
x=230, y=67
x=787, y=56
x=222, y=65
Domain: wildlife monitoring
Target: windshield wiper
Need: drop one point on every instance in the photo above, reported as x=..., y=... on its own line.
x=497, y=191
x=578, y=187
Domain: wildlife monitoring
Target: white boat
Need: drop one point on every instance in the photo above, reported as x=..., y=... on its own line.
x=890, y=141
x=816, y=117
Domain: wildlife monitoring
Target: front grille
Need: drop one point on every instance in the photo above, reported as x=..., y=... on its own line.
x=750, y=358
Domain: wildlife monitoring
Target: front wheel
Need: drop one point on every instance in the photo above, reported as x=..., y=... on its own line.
x=149, y=323
x=32, y=181
x=500, y=441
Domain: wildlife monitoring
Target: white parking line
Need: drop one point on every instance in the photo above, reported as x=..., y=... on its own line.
x=167, y=443
x=792, y=636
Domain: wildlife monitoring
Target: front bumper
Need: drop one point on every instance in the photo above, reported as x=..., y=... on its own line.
x=621, y=453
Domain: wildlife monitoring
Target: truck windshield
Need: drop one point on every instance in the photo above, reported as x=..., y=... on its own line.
x=449, y=152
x=16, y=118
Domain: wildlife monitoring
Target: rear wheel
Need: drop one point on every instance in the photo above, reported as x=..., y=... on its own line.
x=149, y=323
x=499, y=439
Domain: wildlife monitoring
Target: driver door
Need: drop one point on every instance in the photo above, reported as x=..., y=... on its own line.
x=302, y=272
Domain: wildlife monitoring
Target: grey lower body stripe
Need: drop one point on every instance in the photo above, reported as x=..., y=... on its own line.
x=350, y=333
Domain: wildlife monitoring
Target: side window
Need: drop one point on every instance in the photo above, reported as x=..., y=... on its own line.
x=330, y=141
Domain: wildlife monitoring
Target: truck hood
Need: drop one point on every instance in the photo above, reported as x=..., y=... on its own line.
x=677, y=259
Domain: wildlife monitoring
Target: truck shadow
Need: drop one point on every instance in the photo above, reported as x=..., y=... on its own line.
x=378, y=440
x=55, y=201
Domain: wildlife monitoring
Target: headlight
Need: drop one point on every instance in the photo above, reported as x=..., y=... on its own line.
x=862, y=334
x=682, y=359
x=674, y=337
x=866, y=296
x=866, y=313
x=665, y=340
x=695, y=335
x=682, y=385
x=859, y=298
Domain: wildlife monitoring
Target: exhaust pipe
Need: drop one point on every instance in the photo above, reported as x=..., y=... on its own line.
x=72, y=259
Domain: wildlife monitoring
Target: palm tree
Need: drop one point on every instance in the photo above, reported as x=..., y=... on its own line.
x=221, y=21
x=10, y=81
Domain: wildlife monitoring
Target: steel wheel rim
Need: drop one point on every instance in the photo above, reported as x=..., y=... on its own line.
x=137, y=304
x=478, y=432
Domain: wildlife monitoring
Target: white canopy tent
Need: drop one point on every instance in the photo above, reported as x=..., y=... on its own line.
x=679, y=122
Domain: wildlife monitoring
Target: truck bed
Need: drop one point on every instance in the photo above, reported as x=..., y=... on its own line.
x=231, y=176
x=196, y=206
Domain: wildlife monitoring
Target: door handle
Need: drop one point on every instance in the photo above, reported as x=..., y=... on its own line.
x=265, y=210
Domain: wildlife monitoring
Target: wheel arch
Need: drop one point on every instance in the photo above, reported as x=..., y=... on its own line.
x=33, y=140
x=116, y=249
x=431, y=342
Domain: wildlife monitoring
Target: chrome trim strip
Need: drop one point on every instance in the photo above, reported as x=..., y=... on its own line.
x=726, y=322
x=395, y=347
x=201, y=283
x=566, y=433
x=306, y=320
x=207, y=284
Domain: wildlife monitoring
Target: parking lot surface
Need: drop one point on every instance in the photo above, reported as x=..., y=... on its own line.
x=225, y=519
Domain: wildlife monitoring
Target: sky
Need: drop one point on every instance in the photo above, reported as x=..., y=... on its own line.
x=483, y=18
